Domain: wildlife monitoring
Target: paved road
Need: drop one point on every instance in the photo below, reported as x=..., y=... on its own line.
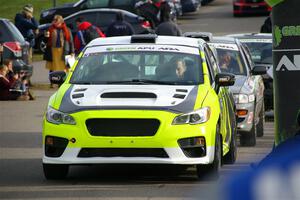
x=21, y=174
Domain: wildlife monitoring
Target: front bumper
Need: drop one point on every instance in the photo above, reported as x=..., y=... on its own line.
x=245, y=123
x=166, y=138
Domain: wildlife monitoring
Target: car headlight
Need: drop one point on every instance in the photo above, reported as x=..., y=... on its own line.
x=48, y=12
x=244, y=98
x=196, y=117
x=57, y=117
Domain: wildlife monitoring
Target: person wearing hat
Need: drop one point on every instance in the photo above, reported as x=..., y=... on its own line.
x=28, y=26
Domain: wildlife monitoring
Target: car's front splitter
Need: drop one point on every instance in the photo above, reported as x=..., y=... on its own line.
x=175, y=156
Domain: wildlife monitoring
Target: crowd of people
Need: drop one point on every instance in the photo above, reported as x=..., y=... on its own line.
x=61, y=43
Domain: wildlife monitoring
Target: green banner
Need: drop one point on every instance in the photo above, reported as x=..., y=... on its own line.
x=273, y=2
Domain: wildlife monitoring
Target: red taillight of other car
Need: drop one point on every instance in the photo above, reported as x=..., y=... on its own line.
x=15, y=47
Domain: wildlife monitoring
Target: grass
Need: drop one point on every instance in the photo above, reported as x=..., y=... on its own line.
x=8, y=9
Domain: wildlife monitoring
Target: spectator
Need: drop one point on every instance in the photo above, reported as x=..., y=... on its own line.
x=59, y=44
x=167, y=27
x=21, y=83
x=165, y=9
x=267, y=26
x=7, y=92
x=28, y=26
x=119, y=27
x=86, y=33
x=9, y=64
x=149, y=10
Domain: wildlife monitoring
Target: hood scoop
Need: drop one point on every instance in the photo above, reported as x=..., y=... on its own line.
x=140, y=95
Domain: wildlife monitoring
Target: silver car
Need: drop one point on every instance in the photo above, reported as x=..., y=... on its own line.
x=248, y=90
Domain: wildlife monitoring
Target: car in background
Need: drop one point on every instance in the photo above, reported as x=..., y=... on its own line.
x=260, y=46
x=14, y=47
x=190, y=5
x=124, y=102
x=47, y=15
x=102, y=18
x=248, y=89
x=242, y=7
x=205, y=2
x=175, y=7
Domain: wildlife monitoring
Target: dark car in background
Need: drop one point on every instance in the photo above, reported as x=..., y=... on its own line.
x=175, y=7
x=242, y=7
x=190, y=5
x=102, y=18
x=260, y=46
x=14, y=46
x=129, y=5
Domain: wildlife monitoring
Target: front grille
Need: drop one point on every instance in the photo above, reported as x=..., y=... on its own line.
x=122, y=152
x=122, y=127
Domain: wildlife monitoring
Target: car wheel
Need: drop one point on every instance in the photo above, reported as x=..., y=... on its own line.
x=55, y=171
x=211, y=171
x=261, y=123
x=230, y=157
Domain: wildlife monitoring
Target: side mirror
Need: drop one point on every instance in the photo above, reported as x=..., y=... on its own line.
x=57, y=77
x=259, y=70
x=224, y=79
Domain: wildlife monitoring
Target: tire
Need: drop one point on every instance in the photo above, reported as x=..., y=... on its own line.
x=237, y=15
x=211, y=171
x=231, y=156
x=55, y=171
x=261, y=123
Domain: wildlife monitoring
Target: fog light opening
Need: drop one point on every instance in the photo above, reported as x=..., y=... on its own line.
x=49, y=141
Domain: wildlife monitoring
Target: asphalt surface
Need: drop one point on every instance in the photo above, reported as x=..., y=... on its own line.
x=21, y=175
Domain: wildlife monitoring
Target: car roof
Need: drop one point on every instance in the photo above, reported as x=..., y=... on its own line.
x=224, y=39
x=164, y=40
x=252, y=35
x=4, y=19
x=101, y=10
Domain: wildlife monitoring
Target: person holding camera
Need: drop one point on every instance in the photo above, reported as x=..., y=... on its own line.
x=14, y=86
x=28, y=27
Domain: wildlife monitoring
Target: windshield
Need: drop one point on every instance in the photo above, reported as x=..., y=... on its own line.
x=261, y=53
x=231, y=61
x=138, y=67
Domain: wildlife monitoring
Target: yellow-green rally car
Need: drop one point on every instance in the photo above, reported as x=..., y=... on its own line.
x=141, y=99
